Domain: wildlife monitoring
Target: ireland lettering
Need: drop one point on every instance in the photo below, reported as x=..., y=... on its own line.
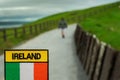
x=32, y=56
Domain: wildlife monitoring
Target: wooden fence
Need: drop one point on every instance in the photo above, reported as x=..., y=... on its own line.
x=99, y=60
x=25, y=30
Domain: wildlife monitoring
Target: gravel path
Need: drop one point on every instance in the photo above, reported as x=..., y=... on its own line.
x=1, y=67
x=63, y=62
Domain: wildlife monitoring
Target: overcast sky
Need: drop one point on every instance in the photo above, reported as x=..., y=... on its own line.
x=32, y=9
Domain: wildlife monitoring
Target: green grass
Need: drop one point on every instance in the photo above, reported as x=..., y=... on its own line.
x=91, y=24
x=105, y=26
x=70, y=14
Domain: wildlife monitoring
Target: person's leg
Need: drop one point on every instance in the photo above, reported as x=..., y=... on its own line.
x=62, y=32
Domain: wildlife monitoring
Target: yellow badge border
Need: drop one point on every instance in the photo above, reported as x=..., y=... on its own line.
x=47, y=60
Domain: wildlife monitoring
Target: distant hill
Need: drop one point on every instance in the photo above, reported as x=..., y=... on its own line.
x=13, y=22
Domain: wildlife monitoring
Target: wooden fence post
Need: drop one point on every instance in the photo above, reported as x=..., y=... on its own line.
x=15, y=32
x=88, y=42
x=40, y=27
x=94, y=58
x=90, y=52
x=54, y=22
x=108, y=64
x=36, y=31
x=43, y=25
x=50, y=23
x=116, y=68
x=4, y=35
x=99, y=64
x=31, y=31
x=24, y=32
x=76, y=34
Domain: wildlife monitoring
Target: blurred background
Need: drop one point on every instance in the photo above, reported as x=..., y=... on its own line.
x=14, y=13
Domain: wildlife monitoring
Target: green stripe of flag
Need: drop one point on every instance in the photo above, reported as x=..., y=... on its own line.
x=12, y=71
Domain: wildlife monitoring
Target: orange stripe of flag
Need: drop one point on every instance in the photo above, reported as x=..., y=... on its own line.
x=41, y=71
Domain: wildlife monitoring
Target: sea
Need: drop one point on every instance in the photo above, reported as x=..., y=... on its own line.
x=4, y=25
x=10, y=26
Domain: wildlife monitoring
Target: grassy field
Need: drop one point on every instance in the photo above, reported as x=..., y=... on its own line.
x=107, y=25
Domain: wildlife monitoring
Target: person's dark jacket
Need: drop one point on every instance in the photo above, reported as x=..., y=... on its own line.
x=62, y=24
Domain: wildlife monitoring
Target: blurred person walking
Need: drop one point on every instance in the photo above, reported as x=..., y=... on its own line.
x=62, y=25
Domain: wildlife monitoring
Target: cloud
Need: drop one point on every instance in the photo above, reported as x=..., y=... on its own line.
x=17, y=19
x=16, y=11
x=54, y=3
x=39, y=8
x=14, y=8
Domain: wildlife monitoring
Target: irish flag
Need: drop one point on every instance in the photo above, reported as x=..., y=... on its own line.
x=26, y=67
x=26, y=71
